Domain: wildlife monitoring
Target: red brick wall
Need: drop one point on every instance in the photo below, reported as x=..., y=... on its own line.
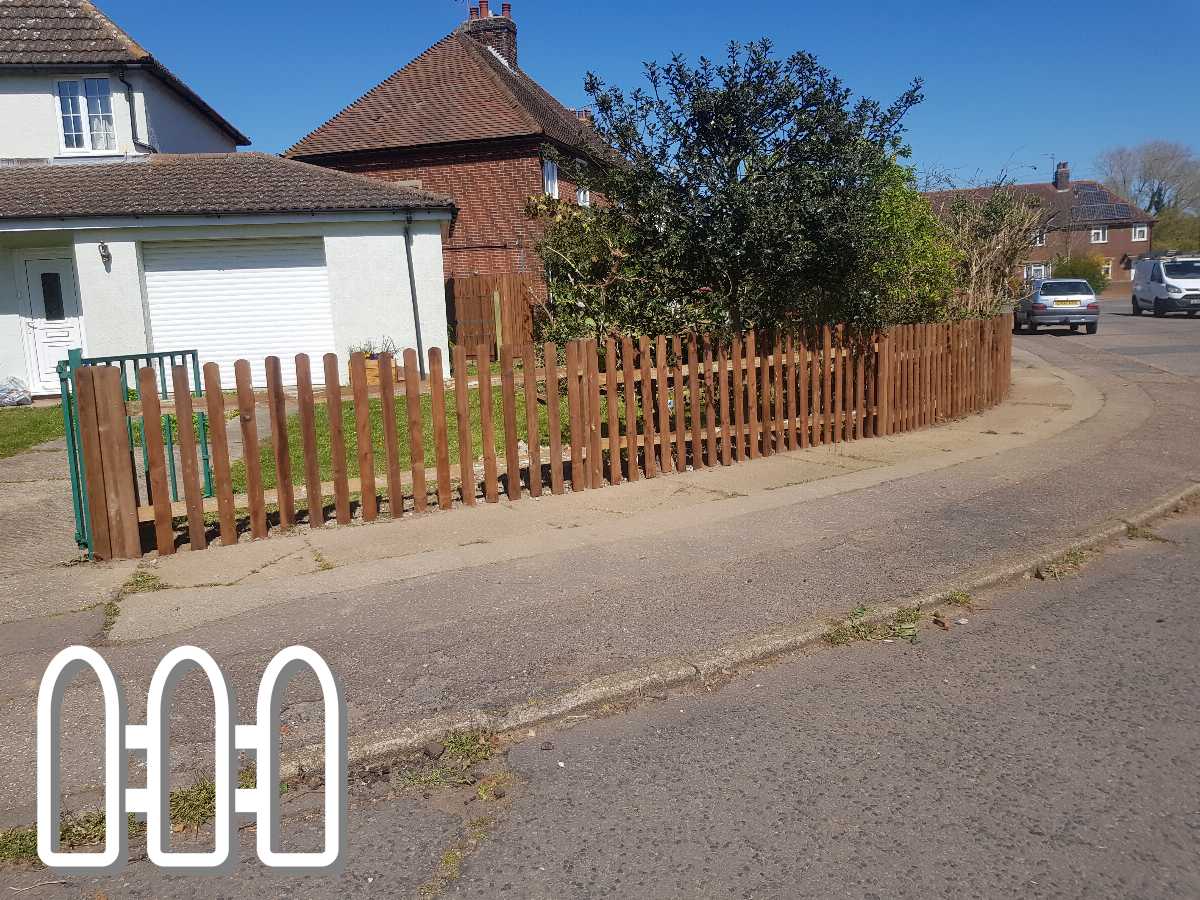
x=1121, y=248
x=491, y=185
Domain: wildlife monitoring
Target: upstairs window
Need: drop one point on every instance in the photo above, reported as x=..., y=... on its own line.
x=86, y=116
x=550, y=178
x=1141, y=232
x=1100, y=234
x=1039, y=239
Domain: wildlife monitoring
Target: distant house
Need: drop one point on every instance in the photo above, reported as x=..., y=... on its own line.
x=129, y=223
x=463, y=119
x=1083, y=217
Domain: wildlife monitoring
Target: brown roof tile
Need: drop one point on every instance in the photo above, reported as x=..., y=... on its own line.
x=196, y=184
x=76, y=32
x=1083, y=204
x=457, y=90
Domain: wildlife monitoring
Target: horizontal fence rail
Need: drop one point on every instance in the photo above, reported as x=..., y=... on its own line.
x=582, y=416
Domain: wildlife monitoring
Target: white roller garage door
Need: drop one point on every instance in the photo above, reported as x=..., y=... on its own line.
x=241, y=299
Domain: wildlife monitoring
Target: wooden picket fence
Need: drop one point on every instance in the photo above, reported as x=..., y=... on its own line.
x=617, y=411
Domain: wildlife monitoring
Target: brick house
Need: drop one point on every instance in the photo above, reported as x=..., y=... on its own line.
x=1083, y=217
x=463, y=120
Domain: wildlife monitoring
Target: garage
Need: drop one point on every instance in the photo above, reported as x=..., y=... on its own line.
x=240, y=299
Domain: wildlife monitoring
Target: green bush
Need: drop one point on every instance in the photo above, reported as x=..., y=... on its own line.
x=1088, y=266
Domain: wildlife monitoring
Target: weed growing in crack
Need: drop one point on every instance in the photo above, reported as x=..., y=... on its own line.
x=1140, y=533
x=1062, y=566
x=961, y=598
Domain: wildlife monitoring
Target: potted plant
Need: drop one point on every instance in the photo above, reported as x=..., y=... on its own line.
x=372, y=349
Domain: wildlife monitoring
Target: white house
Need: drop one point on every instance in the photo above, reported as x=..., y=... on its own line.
x=128, y=221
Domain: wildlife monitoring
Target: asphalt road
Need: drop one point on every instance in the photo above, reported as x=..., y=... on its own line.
x=1045, y=749
x=1170, y=344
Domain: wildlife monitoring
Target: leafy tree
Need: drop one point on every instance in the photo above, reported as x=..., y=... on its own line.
x=1177, y=230
x=1088, y=266
x=754, y=191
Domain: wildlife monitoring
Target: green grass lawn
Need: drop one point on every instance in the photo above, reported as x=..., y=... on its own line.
x=296, y=445
x=23, y=427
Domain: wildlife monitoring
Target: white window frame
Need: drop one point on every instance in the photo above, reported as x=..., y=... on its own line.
x=550, y=178
x=85, y=116
x=1099, y=234
x=1029, y=271
x=1039, y=239
x=1106, y=268
x=583, y=196
x=1143, y=230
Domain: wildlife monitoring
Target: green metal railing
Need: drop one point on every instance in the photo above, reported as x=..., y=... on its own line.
x=129, y=365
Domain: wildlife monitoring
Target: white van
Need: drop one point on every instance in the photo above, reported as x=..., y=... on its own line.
x=1167, y=284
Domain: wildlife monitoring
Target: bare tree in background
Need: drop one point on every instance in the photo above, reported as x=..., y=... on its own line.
x=1159, y=176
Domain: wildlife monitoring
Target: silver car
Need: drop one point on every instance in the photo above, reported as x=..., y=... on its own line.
x=1058, y=301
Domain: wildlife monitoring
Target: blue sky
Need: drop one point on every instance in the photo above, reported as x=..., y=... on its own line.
x=1008, y=85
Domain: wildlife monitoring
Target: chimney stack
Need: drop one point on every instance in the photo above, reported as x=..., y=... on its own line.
x=498, y=32
x=473, y=12
x=1062, y=177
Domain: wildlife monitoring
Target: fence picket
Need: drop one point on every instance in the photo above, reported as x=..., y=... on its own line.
x=254, y=481
x=738, y=362
x=752, y=401
x=677, y=382
x=648, y=432
x=662, y=374
x=277, y=412
x=802, y=373
x=441, y=431
x=533, y=431
x=508, y=405
x=726, y=412
x=368, y=503
x=631, y=407
x=189, y=463
x=337, y=438
x=156, y=467
x=462, y=408
x=314, y=496
x=710, y=402
x=553, y=418
x=575, y=407
x=416, y=429
x=591, y=357
x=219, y=438
x=391, y=435
x=614, y=411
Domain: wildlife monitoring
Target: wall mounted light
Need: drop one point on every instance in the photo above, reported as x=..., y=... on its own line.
x=105, y=254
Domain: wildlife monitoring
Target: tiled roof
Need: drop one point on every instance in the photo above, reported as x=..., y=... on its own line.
x=196, y=184
x=1083, y=204
x=76, y=32
x=457, y=90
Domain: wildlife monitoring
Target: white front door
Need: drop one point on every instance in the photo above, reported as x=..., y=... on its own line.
x=52, y=325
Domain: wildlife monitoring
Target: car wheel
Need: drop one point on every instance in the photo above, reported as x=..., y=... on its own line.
x=1137, y=307
x=1031, y=327
x=1159, y=312
x=1092, y=327
x=1074, y=327
x=1191, y=313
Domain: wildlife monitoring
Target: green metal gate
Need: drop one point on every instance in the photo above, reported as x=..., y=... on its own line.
x=129, y=365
